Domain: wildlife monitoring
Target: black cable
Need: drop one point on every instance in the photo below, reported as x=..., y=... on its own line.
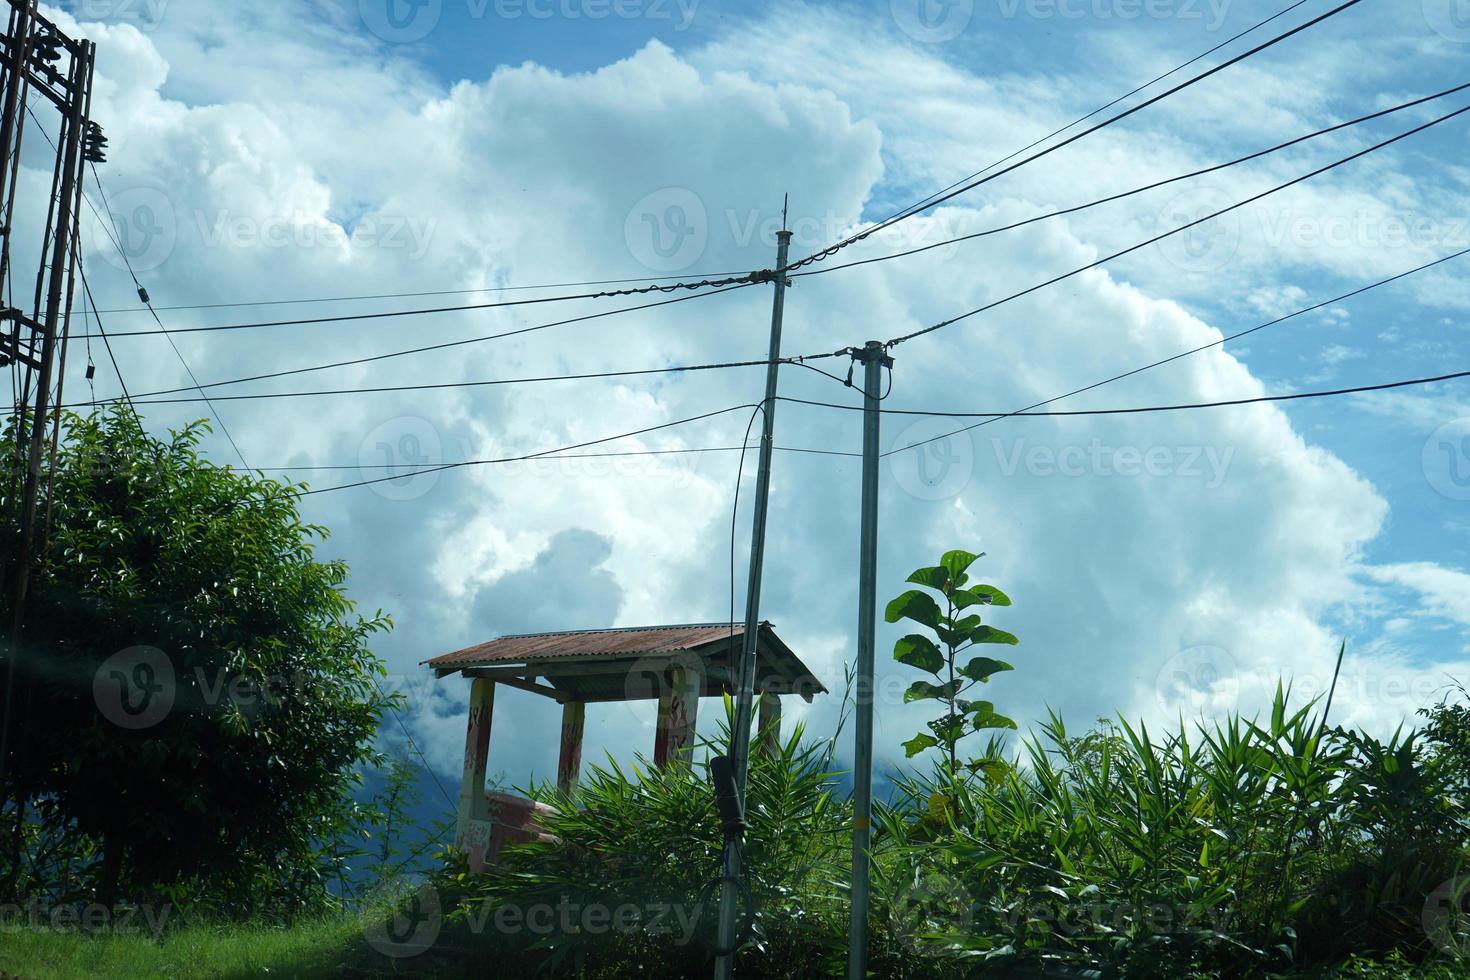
x=143, y=295
x=825, y=253
x=420, y=294
x=459, y=343
x=1174, y=231
x=734, y=514
x=1137, y=190
x=1204, y=347
x=1102, y=108
x=1143, y=409
x=530, y=456
x=413, y=471
x=147, y=398
x=102, y=332
x=414, y=745
x=749, y=279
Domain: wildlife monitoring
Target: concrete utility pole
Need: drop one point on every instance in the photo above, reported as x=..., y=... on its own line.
x=745, y=694
x=874, y=359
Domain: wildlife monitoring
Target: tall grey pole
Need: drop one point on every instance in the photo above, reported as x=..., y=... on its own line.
x=874, y=358
x=745, y=693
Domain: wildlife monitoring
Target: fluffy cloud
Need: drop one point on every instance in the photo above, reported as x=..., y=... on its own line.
x=1160, y=563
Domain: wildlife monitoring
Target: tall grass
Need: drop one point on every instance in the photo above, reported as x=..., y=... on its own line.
x=1237, y=849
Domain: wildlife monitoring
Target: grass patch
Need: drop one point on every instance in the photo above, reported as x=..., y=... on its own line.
x=305, y=950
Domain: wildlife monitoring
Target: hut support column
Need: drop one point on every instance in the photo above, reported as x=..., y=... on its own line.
x=770, y=724
x=678, y=712
x=472, y=825
x=573, y=720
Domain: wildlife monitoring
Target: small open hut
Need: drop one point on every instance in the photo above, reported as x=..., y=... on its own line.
x=675, y=665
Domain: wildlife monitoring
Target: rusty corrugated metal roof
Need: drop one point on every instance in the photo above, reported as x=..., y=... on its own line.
x=626, y=641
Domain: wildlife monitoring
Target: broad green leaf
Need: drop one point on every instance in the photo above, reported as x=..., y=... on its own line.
x=981, y=668
x=919, y=743
x=989, y=634
x=980, y=595
x=956, y=563
x=933, y=576
x=983, y=715
x=914, y=605
x=918, y=651
x=923, y=691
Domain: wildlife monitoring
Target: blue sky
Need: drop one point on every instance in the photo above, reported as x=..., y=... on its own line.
x=330, y=149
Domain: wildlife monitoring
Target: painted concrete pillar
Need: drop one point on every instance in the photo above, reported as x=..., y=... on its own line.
x=569, y=767
x=770, y=724
x=472, y=824
x=678, y=712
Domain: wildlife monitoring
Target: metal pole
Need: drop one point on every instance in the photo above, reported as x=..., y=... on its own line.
x=745, y=694
x=874, y=358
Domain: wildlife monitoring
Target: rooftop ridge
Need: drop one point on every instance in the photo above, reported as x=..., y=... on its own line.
x=740, y=626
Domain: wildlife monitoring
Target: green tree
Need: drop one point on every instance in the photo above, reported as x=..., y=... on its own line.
x=957, y=632
x=196, y=693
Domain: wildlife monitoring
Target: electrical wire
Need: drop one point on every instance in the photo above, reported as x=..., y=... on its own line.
x=531, y=456
x=971, y=185
x=143, y=295
x=456, y=343
x=148, y=398
x=1102, y=108
x=1203, y=347
x=1137, y=190
x=749, y=279
x=1142, y=410
x=1174, y=231
x=422, y=293
x=411, y=471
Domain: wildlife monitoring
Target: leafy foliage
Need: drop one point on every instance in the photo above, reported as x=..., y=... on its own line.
x=227, y=797
x=956, y=632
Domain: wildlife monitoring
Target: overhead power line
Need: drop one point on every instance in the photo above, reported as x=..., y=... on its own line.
x=421, y=293
x=147, y=398
x=1142, y=410
x=1102, y=108
x=531, y=456
x=412, y=470
x=456, y=343
x=1137, y=190
x=1174, y=231
x=748, y=279
x=143, y=296
x=971, y=185
x=1203, y=347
